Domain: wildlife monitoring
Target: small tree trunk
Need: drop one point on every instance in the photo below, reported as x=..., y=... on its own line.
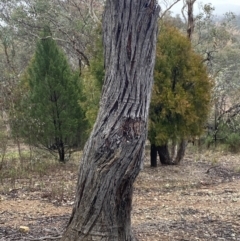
x=113, y=154
x=153, y=155
x=177, y=153
x=180, y=152
x=61, y=153
x=190, y=27
x=60, y=149
x=164, y=155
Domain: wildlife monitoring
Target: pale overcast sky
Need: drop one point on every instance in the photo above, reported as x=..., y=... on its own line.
x=221, y=6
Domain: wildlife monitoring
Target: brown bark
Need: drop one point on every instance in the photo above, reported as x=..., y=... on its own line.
x=180, y=152
x=190, y=27
x=113, y=154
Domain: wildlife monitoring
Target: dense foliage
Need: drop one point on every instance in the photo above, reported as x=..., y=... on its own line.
x=93, y=77
x=182, y=90
x=48, y=113
x=75, y=27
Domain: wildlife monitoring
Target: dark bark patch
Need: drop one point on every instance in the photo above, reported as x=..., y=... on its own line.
x=129, y=48
x=132, y=128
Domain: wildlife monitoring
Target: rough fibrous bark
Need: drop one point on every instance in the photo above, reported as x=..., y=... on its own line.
x=113, y=154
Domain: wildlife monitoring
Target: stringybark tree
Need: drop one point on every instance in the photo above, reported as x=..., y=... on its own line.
x=114, y=152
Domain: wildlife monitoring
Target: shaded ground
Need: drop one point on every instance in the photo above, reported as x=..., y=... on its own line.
x=197, y=200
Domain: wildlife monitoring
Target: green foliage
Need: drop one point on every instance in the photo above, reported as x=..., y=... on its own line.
x=226, y=132
x=208, y=141
x=93, y=80
x=47, y=112
x=233, y=142
x=97, y=63
x=211, y=35
x=90, y=103
x=181, y=93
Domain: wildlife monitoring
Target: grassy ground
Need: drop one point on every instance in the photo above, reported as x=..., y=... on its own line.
x=197, y=200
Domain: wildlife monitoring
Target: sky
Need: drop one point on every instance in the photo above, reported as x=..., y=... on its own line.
x=221, y=6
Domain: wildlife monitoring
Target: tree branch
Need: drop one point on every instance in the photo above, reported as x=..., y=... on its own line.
x=92, y=12
x=162, y=15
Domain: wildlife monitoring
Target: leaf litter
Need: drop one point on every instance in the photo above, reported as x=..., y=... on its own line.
x=196, y=200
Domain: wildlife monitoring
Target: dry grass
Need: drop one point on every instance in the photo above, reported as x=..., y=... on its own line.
x=197, y=200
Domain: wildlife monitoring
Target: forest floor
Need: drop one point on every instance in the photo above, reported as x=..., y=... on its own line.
x=196, y=200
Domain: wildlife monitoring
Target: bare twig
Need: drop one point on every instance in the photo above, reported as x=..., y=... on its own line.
x=92, y=12
x=44, y=238
x=183, y=8
x=162, y=15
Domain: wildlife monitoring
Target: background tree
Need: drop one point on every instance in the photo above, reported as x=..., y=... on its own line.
x=72, y=25
x=216, y=38
x=224, y=119
x=49, y=114
x=93, y=77
x=181, y=96
x=190, y=19
x=114, y=152
x=166, y=6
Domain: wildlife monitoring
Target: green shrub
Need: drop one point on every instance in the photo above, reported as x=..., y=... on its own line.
x=233, y=142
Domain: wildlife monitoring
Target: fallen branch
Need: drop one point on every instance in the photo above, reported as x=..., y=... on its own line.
x=212, y=168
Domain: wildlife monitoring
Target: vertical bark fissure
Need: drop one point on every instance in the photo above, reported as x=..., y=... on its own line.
x=113, y=154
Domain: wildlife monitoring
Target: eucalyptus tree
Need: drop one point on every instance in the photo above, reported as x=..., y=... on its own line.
x=114, y=152
x=72, y=23
x=224, y=120
x=216, y=38
x=166, y=6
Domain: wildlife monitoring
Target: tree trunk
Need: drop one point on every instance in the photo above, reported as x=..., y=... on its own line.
x=113, y=154
x=61, y=152
x=153, y=155
x=177, y=153
x=164, y=155
x=190, y=27
x=180, y=152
